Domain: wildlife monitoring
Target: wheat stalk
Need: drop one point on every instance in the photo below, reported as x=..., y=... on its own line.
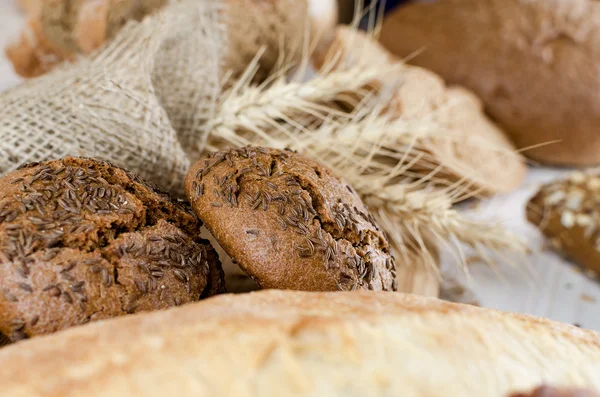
x=375, y=154
x=373, y=150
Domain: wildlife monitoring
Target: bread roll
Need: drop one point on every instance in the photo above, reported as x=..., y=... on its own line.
x=63, y=29
x=82, y=240
x=568, y=213
x=474, y=148
x=278, y=343
x=289, y=222
x=533, y=62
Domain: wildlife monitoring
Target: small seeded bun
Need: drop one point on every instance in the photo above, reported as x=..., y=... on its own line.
x=83, y=240
x=470, y=146
x=288, y=222
x=534, y=63
x=568, y=213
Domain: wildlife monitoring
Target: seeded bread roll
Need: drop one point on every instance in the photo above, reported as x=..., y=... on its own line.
x=288, y=343
x=568, y=213
x=288, y=222
x=532, y=62
x=469, y=146
x=83, y=240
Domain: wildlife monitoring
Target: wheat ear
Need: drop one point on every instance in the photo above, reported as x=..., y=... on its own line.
x=375, y=154
x=371, y=149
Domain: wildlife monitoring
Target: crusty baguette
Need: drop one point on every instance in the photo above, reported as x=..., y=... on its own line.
x=534, y=63
x=284, y=343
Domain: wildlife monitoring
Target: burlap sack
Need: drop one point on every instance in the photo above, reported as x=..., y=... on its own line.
x=108, y=107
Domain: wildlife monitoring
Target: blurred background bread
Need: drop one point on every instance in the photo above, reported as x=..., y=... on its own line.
x=59, y=30
x=532, y=62
x=468, y=145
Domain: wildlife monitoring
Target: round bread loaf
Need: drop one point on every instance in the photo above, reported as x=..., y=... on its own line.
x=82, y=240
x=468, y=146
x=533, y=63
x=289, y=343
x=288, y=222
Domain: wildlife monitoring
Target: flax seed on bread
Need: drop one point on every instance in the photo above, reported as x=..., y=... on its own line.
x=82, y=240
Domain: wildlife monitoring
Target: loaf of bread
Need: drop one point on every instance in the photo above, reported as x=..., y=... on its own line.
x=285, y=343
x=469, y=145
x=568, y=213
x=82, y=240
x=533, y=63
x=62, y=29
x=289, y=222
x=59, y=30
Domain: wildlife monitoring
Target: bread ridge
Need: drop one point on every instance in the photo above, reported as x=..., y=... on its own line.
x=274, y=343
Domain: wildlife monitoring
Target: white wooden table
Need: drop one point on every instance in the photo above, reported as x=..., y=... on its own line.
x=558, y=291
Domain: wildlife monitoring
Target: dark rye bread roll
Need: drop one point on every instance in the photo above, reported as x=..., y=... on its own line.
x=83, y=240
x=288, y=222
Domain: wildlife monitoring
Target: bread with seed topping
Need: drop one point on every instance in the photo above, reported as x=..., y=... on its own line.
x=289, y=222
x=568, y=213
x=289, y=343
x=83, y=240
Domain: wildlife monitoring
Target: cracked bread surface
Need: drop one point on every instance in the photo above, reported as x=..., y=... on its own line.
x=289, y=222
x=82, y=240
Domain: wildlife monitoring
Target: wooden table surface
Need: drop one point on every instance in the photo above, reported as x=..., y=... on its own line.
x=542, y=284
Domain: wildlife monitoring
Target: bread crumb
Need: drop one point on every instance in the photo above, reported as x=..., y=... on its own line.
x=588, y=298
